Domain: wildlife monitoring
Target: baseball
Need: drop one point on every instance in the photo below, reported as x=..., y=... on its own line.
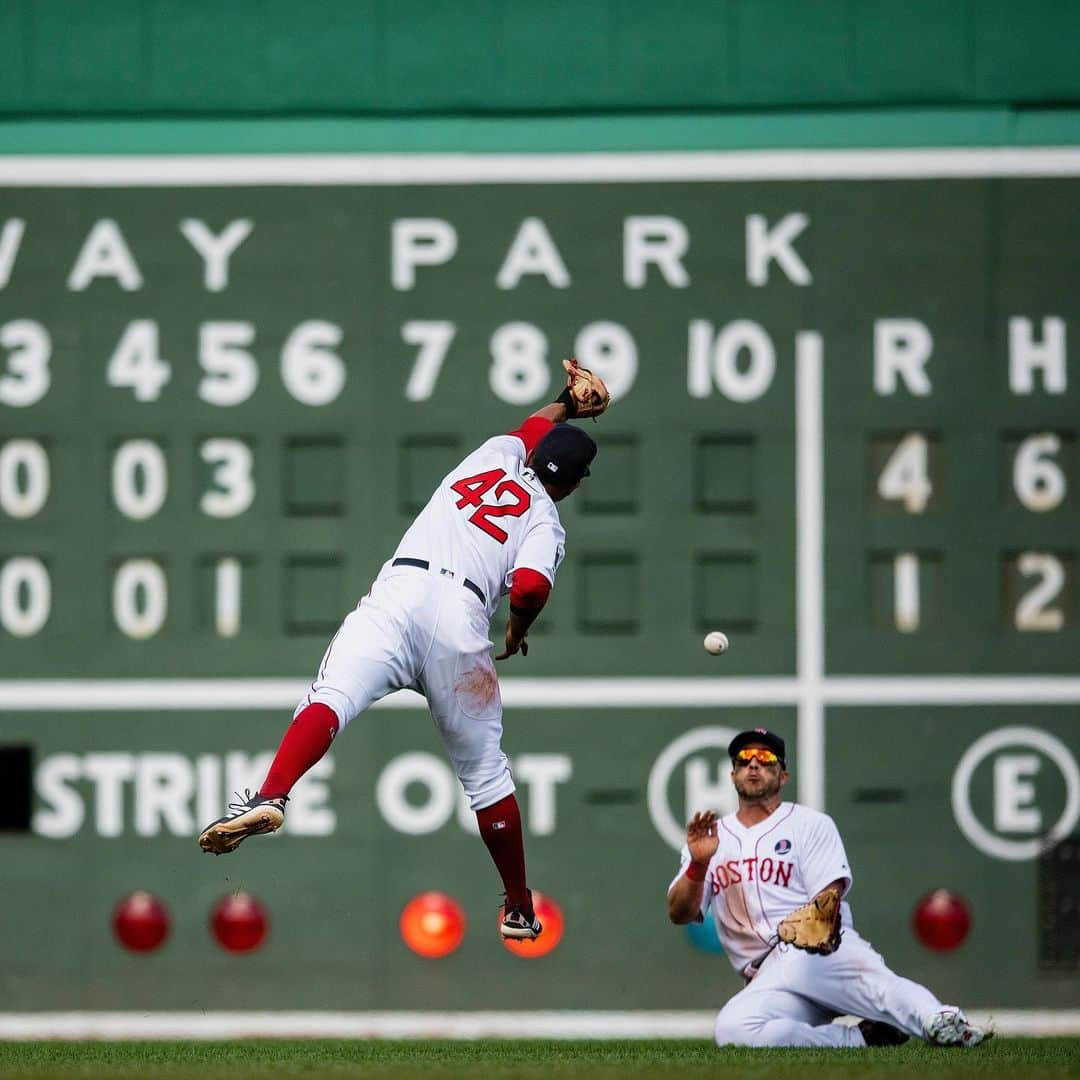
x=716, y=642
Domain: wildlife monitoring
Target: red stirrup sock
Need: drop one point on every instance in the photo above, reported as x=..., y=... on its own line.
x=305, y=741
x=500, y=829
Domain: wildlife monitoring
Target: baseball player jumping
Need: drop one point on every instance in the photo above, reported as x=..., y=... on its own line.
x=775, y=874
x=491, y=527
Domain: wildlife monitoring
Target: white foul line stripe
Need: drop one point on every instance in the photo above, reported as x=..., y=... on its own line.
x=214, y=170
x=438, y=1025
x=84, y=695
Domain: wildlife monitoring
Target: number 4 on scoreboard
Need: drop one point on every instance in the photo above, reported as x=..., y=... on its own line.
x=906, y=475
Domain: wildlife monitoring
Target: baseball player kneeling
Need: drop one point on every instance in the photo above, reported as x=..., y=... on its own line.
x=491, y=527
x=774, y=875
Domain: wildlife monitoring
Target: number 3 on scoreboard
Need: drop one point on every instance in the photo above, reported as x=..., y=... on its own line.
x=472, y=490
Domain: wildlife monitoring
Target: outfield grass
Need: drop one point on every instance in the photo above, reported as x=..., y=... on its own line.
x=504, y=1060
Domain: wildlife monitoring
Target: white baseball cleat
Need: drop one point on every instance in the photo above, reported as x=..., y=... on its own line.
x=519, y=926
x=950, y=1027
x=249, y=816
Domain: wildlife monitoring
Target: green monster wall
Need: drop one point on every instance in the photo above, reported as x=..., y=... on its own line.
x=845, y=432
x=269, y=57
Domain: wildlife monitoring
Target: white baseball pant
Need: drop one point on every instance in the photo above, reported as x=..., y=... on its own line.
x=796, y=996
x=422, y=630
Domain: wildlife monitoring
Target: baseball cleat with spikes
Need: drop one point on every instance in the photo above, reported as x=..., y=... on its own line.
x=520, y=925
x=516, y=924
x=950, y=1027
x=249, y=816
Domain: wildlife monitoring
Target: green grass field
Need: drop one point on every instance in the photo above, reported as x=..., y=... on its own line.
x=245, y=1060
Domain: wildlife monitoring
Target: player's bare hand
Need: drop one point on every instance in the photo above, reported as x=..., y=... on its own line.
x=701, y=837
x=513, y=645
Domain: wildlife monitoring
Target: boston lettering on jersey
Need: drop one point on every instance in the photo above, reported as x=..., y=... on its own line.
x=766, y=870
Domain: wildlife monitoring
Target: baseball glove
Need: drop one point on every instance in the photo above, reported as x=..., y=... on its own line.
x=585, y=393
x=814, y=927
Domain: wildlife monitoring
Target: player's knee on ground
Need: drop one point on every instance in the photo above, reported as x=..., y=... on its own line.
x=733, y=1031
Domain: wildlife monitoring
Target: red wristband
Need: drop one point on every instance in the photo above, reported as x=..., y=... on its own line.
x=696, y=872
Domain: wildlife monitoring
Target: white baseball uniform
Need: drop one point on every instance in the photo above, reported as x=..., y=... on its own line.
x=758, y=876
x=425, y=623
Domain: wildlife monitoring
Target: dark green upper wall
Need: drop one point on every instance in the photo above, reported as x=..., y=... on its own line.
x=206, y=57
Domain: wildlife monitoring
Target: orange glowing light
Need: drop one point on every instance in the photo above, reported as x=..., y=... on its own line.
x=432, y=924
x=550, y=914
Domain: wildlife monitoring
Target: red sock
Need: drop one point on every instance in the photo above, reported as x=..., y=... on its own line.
x=500, y=829
x=306, y=739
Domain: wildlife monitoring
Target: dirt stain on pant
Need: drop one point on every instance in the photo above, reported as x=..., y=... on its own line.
x=477, y=690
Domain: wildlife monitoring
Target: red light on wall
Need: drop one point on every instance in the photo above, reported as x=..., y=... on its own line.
x=432, y=924
x=140, y=922
x=239, y=922
x=550, y=915
x=941, y=920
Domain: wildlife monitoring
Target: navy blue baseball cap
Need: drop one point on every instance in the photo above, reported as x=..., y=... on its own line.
x=562, y=456
x=758, y=737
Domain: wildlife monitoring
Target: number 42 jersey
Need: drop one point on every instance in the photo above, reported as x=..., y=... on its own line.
x=489, y=517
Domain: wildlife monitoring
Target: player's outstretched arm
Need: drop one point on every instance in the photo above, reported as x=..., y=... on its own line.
x=684, y=897
x=529, y=591
x=555, y=412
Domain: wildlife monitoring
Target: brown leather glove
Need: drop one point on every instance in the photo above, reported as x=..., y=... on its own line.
x=814, y=927
x=585, y=393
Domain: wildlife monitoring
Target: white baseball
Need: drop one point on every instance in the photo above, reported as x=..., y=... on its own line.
x=716, y=642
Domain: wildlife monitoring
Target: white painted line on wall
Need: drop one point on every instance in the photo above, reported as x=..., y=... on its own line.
x=172, y=694
x=586, y=694
x=437, y=1025
x=264, y=170
x=810, y=565
x=810, y=506
x=953, y=690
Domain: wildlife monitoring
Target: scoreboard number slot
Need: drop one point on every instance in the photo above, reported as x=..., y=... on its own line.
x=1036, y=609
x=24, y=478
x=25, y=596
x=1038, y=479
x=140, y=598
x=905, y=476
x=140, y=479
x=231, y=463
x=25, y=377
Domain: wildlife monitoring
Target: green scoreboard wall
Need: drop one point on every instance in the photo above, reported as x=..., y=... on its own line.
x=845, y=431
